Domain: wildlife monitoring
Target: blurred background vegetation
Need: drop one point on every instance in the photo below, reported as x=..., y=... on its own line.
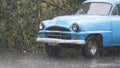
x=19, y=20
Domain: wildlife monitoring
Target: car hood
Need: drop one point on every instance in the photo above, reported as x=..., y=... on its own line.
x=67, y=21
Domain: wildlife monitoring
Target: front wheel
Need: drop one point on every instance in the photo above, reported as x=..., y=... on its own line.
x=92, y=48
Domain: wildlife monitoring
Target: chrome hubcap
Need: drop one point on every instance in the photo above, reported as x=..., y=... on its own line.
x=92, y=47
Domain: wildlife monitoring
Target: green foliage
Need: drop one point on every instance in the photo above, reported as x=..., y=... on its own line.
x=60, y=7
x=19, y=20
x=18, y=26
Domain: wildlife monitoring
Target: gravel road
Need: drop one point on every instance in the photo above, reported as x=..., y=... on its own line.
x=10, y=59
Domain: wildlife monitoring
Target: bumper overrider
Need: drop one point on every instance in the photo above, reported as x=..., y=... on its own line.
x=60, y=41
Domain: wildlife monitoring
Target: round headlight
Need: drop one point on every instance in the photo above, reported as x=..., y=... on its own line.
x=41, y=26
x=75, y=27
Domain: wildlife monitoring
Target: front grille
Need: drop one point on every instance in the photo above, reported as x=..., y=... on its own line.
x=58, y=35
x=56, y=28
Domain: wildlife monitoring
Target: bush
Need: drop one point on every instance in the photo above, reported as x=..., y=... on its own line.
x=18, y=27
x=60, y=7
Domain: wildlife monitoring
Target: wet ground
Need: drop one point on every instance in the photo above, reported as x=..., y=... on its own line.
x=10, y=59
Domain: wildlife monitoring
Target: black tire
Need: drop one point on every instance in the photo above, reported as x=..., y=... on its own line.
x=93, y=47
x=52, y=51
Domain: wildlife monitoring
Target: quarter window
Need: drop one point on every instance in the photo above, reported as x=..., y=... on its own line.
x=116, y=10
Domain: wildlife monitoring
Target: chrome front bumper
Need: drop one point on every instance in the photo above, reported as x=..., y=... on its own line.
x=57, y=41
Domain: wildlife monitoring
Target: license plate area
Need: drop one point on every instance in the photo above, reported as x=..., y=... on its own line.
x=53, y=44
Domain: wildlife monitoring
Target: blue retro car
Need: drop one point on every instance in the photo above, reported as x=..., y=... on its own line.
x=94, y=26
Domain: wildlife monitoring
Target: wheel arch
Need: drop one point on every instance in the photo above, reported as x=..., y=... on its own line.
x=97, y=35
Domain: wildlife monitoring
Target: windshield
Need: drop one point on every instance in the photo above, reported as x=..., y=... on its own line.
x=94, y=9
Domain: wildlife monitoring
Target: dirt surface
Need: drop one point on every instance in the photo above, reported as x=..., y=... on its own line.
x=10, y=59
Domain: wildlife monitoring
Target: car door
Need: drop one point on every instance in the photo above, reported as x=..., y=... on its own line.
x=115, y=20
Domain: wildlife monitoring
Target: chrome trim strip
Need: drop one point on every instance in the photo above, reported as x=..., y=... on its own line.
x=52, y=40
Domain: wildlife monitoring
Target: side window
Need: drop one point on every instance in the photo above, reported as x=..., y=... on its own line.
x=116, y=10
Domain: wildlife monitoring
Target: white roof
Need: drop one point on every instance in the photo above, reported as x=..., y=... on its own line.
x=106, y=1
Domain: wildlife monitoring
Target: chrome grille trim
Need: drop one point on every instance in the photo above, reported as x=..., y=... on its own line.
x=57, y=35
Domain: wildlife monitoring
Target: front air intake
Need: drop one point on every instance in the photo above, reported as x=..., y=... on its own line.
x=55, y=28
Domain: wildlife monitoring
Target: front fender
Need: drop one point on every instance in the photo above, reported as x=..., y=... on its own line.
x=106, y=36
